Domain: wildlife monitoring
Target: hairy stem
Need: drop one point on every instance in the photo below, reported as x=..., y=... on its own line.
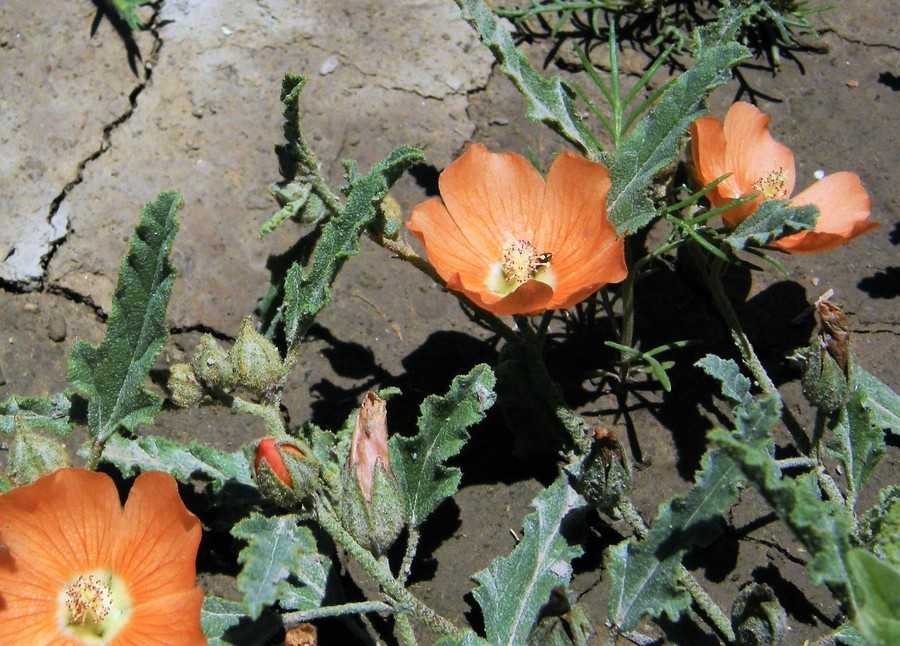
x=292, y=619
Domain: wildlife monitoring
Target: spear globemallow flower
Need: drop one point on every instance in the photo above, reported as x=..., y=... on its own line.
x=78, y=568
x=760, y=165
x=514, y=243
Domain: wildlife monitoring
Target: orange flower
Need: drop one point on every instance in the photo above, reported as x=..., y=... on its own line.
x=758, y=164
x=515, y=244
x=77, y=568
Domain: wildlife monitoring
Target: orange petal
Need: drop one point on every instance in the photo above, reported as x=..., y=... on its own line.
x=708, y=159
x=170, y=620
x=531, y=297
x=448, y=248
x=577, y=230
x=844, y=210
x=494, y=198
x=156, y=543
x=752, y=152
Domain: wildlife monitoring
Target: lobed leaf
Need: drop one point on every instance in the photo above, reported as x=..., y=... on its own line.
x=880, y=402
x=549, y=100
x=226, y=622
x=644, y=571
x=876, y=588
x=418, y=462
x=112, y=375
x=152, y=453
x=513, y=589
x=858, y=441
x=308, y=291
x=51, y=413
x=274, y=545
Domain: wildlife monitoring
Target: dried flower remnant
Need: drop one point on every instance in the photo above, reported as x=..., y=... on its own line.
x=834, y=333
x=514, y=243
x=368, y=443
x=760, y=165
x=76, y=567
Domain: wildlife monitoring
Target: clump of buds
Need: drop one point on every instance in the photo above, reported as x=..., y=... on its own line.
x=606, y=471
x=373, y=509
x=284, y=472
x=254, y=364
x=828, y=361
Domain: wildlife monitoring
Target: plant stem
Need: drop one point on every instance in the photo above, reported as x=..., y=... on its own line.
x=404, y=601
x=412, y=544
x=271, y=416
x=292, y=619
x=748, y=354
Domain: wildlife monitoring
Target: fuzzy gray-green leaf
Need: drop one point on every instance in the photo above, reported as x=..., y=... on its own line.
x=513, y=588
x=549, y=100
x=655, y=143
x=274, y=545
x=308, y=290
x=225, y=622
x=772, y=220
x=112, y=375
x=882, y=403
x=418, y=462
x=152, y=453
x=51, y=413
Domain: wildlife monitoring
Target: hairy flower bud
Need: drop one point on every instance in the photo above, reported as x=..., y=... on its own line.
x=373, y=506
x=606, y=474
x=284, y=473
x=213, y=367
x=257, y=363
x=827, y=379
x=186, y=390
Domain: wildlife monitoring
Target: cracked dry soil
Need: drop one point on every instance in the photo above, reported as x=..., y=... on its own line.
x=93, y=126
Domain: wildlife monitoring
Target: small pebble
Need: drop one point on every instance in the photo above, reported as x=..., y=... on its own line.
x=56, y=328
x=819, y=174
x=331, y=63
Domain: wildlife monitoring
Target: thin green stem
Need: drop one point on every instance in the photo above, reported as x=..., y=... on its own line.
x=395, y=590
x=269, y=415
x=292, y=619
x=826, y=483
x=708, y=608
x=412, y=544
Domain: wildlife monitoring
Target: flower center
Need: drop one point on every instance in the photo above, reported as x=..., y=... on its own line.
x=94, y=607
x=521, y=262
x=772, y=185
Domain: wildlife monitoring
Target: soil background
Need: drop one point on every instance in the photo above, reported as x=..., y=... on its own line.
x=94, y=122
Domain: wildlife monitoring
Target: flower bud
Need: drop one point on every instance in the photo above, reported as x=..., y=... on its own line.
x=284, y=473
x=757, y=617
x=186, y=390
x=827, y=379
x=213, y=367
x=606, y=471
x=257, y=362
x=390, y=216
x=373, y=506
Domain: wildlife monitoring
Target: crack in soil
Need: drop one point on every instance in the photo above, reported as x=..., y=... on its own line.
x=105, y=145
x=860, y=41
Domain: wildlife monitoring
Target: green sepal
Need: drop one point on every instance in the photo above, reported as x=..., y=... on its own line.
x=112, y=375
x=374, y=524
x=824, y=383
x=258, y=366
x=214, y=367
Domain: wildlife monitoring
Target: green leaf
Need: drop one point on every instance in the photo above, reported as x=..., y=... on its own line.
x=876, y=588
x=51, y=413
x=308, y=291
x=513, y=589
x=152, y=453
x=226, y=622
x=822, y=526
x=881, y=403
x=879, y=528
x=772, y=220
x=549, y=100
x=735, y=386
x=126, y=9
x=418, y=461
x=858, y=441
x=465, y=638
x=112, y=375
x=644, y=571
x=655, y=143
x=33, y=455
x=274, y=546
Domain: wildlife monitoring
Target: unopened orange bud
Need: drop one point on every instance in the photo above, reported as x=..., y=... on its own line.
x=369, y=443
x=269, y=450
